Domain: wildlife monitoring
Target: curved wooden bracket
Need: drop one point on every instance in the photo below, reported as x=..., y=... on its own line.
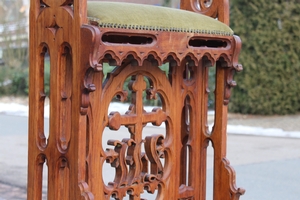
x=236, y=67
x=235, y=192
x=90, y=39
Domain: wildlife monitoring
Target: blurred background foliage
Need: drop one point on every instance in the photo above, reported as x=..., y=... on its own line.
x=13, y=47
x=270, y=32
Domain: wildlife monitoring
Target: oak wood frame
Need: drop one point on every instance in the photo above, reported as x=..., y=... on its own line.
x=79, y=99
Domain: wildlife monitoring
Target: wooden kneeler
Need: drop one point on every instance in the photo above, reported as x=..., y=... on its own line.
x=93, y=150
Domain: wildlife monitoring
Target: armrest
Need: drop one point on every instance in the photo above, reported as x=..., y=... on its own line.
x=212, y=8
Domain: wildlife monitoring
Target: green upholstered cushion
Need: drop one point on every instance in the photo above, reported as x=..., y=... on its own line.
x=139, y=16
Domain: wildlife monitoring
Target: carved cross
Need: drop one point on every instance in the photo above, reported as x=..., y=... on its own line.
x=135, y=119
x=136, y=116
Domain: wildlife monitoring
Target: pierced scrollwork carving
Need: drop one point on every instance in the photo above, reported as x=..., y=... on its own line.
x=117, y=160
x=127, y=175
x=154, y=146
x=138, y=162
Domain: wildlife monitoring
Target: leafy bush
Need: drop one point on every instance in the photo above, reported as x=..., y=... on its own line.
x=270, y=32
x=14, y=81
x=19, y=85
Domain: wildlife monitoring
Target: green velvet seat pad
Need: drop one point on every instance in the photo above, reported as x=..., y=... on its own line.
x=156, y=18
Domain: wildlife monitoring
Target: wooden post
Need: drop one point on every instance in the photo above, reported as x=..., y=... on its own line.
x=55, y=29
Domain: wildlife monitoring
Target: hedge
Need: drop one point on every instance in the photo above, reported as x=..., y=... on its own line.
x=270, y=81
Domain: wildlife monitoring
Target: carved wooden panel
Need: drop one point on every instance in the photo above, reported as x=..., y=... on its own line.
x=137, y=170
x=184, y=93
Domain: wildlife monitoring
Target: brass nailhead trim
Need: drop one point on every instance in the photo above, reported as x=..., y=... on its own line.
x=156, y=28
